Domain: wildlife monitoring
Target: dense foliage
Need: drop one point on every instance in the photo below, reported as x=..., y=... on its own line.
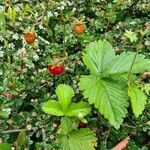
x=55, y=38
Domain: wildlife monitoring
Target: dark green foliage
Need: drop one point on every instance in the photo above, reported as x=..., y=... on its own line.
x=25, y=82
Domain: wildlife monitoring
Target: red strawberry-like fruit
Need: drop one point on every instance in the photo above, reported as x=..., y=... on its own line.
x=82, y=124
x=79, y=27
x=29, y=37
x=56, y=69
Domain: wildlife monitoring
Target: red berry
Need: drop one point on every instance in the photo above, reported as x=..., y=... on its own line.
x=79, y=27
x=29, y=37
x=56, y=69
x=82, y=124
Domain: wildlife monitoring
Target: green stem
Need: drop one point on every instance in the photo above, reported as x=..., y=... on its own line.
x=106, y=30
x=129, y=75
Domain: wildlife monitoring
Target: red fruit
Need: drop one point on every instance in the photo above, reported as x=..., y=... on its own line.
x=56, y=69
x=82, y=124
x=79, y=27
x=29, y=37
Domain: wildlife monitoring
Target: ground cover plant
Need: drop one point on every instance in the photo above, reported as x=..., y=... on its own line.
x=74, y=74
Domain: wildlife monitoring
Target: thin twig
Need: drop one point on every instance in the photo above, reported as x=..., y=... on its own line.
x=129, y=126
x=107, y=135
x=43, y=136
x=13, y=131
x=106, y=29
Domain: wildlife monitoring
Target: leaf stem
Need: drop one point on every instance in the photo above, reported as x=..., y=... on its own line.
x=129, y=75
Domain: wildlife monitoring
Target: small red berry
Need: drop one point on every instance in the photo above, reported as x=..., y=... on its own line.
x=56, y=69
x=82, y=124
x=29, y=37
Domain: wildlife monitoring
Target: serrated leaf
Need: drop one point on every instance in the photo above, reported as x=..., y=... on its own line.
x=78, y=109
x=98, y=55
x=112, y=16
x=67, y=125
x=22, y=139
x=64, y=143
x=138, y=100
x=64, y=93
x=131, y=35
x=83, y=139
x=52, y=107
x=5, y=146
x=108, y=95
x=141, y=64
x=123, y=62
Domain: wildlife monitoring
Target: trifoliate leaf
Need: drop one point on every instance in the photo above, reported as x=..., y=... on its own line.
x=106, y=87
x=138, y=100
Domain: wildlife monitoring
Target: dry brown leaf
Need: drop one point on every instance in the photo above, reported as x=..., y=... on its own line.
x=121, y=145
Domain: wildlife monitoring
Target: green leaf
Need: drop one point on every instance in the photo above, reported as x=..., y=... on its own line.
x=67, y=125
x=112, y=16
x=146, y=88
x=106, y=87
x=9, y=13
x=22, y=139
x=4, y=114
x=98, y=55
x=64, y=93
x=123, y=62
x=138, y=100
x=108, y=95
x=52, y=107
x=141, y=64
x=80, y=109
x=14, y=15
x=131, y=35
x=64, y=141
x=2, y=17
x=5, y=146
x=82, y=139
x=2, y=22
